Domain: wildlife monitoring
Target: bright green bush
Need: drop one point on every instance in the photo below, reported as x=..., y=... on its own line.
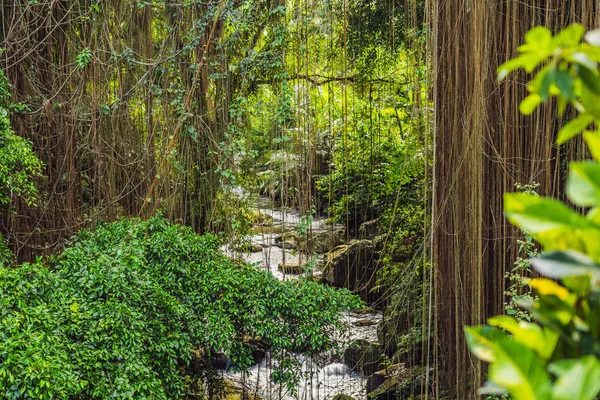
x=558, y=356
x=123, y=310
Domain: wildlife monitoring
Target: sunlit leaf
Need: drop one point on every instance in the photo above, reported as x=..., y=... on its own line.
x=578, y=379
x=574, y=127
x=560, y=264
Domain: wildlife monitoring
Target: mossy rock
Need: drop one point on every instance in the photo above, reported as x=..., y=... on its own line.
x=261, y=219
x=365, y=322
x=364, y=310
x=233, y=392
x=363, y=356
x=391, y=330
x=351, y=266
x=342, y=396
x=249, y=248
x=292, y=268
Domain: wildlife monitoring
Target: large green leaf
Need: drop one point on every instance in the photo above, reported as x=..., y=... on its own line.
x=592, y=139
x=520, y=371
x=578, y=379
x=574, y=127
x=583, y=185
x=481, y=339
x=561, y=264
x=541, y=340
x=536, y=214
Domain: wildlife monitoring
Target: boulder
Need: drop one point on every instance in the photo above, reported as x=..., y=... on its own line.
x=232, y=391
x=288, y=241
x=368, y=230
x=390, y=383
x=351, y=265
x=365, y=310
x=342, y=396
x=292, y=268
x=395, y=324
x=249, y=248
x=260, y=219
x=316, y=241
x=324, y=241
x=363, y=356
x=365, y=322
x=258, y=348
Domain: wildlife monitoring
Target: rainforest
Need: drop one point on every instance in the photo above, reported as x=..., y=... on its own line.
x=299, y=199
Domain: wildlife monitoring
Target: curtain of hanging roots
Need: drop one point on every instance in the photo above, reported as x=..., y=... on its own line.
x=483, y=146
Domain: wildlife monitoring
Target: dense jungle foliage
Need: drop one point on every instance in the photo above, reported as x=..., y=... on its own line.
x=136, y=309
x=356, y=151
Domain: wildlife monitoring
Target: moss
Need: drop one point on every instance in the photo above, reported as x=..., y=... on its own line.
x=342, y=396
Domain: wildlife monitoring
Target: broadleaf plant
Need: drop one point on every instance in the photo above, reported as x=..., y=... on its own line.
x=557, y=357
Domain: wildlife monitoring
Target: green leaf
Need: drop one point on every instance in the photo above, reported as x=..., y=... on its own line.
x=505, y=69
x=564, y=81
x=592, y=139
x=591, y=102
x=539, y=36
x=541, y=340
x=561, y=264
x=583, y=60
x=589, y=78
x=530, y=103
x=481, y=339
x=570, y=36
x=583, y=185
x=574, y=127
x=578, y=379
x=518, y=369
x=536, y=214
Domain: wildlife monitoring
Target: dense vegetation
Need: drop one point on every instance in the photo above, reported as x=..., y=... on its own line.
x=138, y=137
x=137, y=309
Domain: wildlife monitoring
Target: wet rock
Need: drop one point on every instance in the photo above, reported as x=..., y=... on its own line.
x=221, y=361
x=249, y=248
x=368, y=230
x=342, y=396
x=319, y=241
x=388, y=384
x=351, y=265
x=292, y=268
x=395, y=324
x=258, y=348
x=363, y=356
x=231, y=391
x=287, y=241
x=366, y=310
x=317, y=277
x=365, y=322
x=260, y=219
x=324, y=242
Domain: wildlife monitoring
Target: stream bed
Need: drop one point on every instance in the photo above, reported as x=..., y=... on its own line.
x=325, y=376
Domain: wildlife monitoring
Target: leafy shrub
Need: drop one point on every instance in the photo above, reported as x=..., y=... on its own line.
x=125, y=310
x=557, y=357
x=18, y=162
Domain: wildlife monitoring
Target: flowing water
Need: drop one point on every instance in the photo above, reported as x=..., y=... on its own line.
x=324, y=376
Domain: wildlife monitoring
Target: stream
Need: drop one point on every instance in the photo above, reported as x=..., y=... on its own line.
x=325, y=376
